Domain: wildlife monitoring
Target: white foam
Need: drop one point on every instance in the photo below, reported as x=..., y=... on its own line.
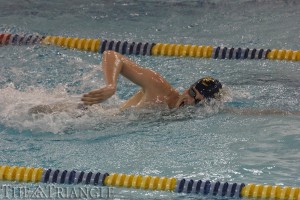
x=238, y=93
x=15, y=104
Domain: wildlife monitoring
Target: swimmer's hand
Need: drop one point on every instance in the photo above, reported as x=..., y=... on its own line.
x=98, y=96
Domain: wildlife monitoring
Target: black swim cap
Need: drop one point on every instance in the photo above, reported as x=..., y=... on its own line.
x=208, y=86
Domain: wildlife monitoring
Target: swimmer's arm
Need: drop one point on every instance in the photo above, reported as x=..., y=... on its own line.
x=257, y=111
x=114, y=64
x=132, y=101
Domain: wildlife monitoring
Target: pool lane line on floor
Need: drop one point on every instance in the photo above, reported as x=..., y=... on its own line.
x=187, y=186
x=152, y=49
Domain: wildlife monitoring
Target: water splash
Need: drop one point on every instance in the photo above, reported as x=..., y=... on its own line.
x=15, y=107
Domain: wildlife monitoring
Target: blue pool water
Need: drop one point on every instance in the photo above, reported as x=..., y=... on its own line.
x=202, y=143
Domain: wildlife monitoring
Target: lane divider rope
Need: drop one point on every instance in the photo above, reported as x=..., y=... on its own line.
x=15, y=39
x=74, y=43
x=154, y=49
x=188, y=186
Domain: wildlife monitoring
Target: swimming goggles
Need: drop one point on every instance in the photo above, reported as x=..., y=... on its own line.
x=193, y=94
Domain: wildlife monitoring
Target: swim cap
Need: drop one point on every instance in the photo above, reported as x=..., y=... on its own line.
x=208, y=86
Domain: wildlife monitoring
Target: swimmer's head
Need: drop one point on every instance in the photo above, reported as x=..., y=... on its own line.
x=208, y=87
x=205, y=88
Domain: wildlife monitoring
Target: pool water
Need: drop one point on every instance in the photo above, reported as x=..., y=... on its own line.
x=200, y=143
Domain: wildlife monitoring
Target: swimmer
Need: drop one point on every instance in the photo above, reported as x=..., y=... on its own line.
x=155, y=90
